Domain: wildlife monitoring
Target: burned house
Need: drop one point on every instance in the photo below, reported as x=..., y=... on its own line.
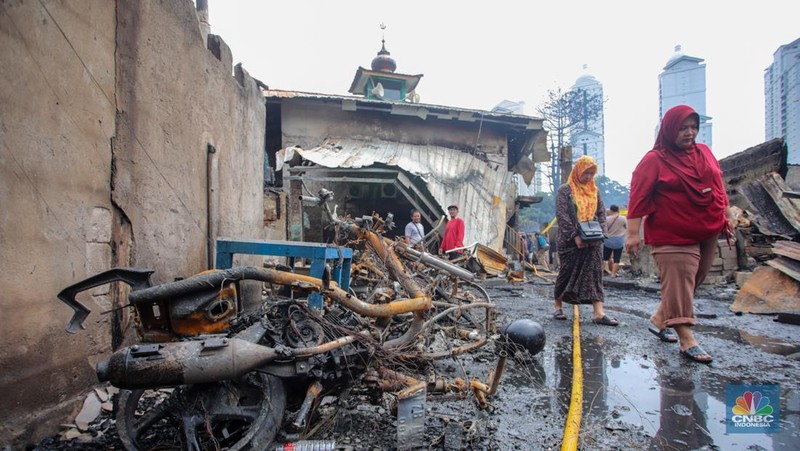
x=381, y=151
x=129, y=143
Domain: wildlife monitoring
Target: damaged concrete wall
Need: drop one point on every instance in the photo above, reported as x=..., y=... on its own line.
x=307, y=125
x=175, y=99
x=108, y=110
x=57, y=103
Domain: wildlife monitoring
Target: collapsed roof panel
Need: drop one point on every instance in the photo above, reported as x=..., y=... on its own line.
x=754, y=179
x=450, y=176
x=774, y=214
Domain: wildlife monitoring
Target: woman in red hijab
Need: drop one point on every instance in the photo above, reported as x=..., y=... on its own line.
x=677, y=189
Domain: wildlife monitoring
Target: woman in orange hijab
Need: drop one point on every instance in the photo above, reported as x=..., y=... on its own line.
x=580, y=277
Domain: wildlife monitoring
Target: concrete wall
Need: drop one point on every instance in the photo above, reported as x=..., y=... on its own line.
x=106, y=113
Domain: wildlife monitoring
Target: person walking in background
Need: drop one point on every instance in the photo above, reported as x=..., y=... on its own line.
x=677, y=188
x=580, y=277
x=550, y=233
x=414, y=229
x=530, y=250
x=453, y=235
x=616, y=226
x=524, y=246
x=542, y=248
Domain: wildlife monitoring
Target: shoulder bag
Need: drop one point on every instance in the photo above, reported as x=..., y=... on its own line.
x=588, y=230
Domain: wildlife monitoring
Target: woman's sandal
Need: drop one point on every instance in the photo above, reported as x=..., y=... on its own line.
x=693, y=353
x=606, y=321
x=665, y=335
x=559, y=314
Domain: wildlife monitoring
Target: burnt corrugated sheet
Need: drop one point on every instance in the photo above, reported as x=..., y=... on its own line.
x=774, y=214
x=492, y=262
x=451, y=176
x=756, y=161
x=740, y=169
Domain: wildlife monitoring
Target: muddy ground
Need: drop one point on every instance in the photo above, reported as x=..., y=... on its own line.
x=639, y=393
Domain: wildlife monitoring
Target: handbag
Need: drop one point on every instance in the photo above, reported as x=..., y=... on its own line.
x=590, y=231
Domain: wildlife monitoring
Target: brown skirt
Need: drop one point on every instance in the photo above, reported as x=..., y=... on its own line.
x=683, y=268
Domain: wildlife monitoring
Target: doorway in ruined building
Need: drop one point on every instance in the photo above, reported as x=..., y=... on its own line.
x=358, y=192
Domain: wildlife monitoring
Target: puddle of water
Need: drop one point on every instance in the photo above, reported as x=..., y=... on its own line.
x=678, y=408
x=766, y=344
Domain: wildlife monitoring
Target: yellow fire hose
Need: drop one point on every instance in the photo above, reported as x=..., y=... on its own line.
x=573, y=426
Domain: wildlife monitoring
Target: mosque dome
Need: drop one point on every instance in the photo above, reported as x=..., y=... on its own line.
x=383, y=62
x=676, y=56
x=586, y=78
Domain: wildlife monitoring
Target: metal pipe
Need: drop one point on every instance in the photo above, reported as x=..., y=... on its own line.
x=494, y=377
x=480, y=389
x=178, y=363
x=202, y=282
x=212, y=196
x=488, y=306
x=311, y=395
x=195, y=362
x=449, y=353
x=436, y=262
x=392, y=380
x=421, y=301
x=324, y=347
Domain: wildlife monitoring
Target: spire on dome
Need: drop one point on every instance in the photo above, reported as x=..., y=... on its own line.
x=383, y=62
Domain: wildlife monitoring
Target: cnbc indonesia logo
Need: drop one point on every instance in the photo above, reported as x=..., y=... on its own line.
x=750, y=408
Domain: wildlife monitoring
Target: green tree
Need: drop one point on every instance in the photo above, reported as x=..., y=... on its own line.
x=612, y=192
x=531, y=218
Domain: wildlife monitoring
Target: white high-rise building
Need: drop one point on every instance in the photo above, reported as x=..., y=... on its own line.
x=683, y=82
x=588, y=138
x=782, y=99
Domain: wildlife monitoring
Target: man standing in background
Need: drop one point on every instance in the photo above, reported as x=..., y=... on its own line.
x=414, y=229
x=617, y=226
x=542, y=249
x=453, y=235
x=549, y=233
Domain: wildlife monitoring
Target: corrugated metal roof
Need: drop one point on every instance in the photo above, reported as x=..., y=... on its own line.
x=451, y=176
x=774, y=214
x=509, y=118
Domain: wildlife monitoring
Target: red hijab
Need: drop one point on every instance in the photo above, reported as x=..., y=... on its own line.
x=692, y=164
x=679, y=190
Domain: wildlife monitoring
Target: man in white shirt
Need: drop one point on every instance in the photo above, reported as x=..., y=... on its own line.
x=617, y=226
x=414, y=230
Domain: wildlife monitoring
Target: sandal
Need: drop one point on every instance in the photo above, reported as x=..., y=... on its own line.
x=693, y=353
x=559, y=314
x=606, y=321
x=665, y=335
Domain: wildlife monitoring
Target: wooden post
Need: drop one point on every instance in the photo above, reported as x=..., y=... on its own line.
x=565, y=161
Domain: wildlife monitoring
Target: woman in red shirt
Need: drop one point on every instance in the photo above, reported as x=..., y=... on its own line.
x=677, y=189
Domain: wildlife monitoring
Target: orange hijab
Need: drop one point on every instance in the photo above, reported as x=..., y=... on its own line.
x=584, y=194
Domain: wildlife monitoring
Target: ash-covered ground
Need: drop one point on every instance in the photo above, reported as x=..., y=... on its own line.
x=638, y=392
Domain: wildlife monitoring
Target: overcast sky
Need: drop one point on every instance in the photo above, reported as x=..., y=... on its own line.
x=476, y=54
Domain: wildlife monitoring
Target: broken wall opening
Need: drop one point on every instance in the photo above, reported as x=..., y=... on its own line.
x=378, y=189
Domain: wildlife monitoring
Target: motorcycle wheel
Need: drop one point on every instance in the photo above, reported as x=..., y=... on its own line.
x=465, y=293
x=231, y=415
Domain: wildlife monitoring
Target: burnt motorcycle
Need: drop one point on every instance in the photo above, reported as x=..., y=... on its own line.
x=213, y=370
